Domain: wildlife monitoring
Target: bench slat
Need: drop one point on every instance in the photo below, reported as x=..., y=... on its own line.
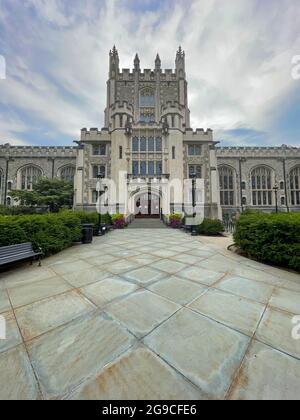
x=15, y=259
x=19, y=254
x=29, y=244
x=12, y=253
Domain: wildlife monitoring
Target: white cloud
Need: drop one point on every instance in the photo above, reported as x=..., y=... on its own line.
x=238, y=58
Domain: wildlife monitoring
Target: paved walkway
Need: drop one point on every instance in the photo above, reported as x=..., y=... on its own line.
x=149, y=314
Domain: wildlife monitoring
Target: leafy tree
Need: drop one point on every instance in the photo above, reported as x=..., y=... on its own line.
x=52, y=193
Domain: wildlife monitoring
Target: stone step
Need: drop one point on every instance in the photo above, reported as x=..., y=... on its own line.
x=147, y=224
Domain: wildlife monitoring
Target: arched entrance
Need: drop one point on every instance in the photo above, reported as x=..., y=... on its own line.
x=147, y=204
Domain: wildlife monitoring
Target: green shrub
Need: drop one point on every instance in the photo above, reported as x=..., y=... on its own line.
x=51, y=232
x=93, y=218
x=20, y=210
x=210, y=227
x=271, y=238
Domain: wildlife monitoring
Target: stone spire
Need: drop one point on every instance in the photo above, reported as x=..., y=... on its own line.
x=180, y=62
x=137, y=63
x=114, y=62
x=157, y=63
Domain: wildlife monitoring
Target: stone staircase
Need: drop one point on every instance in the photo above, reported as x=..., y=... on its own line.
x=147, y=223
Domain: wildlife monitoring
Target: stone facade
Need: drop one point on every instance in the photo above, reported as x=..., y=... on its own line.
x=16, y=160
x=147, y=140
x=281, y=163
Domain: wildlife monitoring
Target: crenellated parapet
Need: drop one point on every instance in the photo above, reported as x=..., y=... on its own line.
x=94, y=134
x=7, y=150
x=199, y=135
x=259, y=152
x=148, y=75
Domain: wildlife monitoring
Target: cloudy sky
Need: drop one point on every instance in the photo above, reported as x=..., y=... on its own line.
x=239, y=64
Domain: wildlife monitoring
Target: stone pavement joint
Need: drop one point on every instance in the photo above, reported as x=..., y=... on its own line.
x=149, y=313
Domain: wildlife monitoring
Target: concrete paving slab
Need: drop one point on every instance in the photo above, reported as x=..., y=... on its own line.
x=276, y=330
x=38, y=290
x=267, y=374
x=201, y=275
x=86, y=277
x=16, y=375
x=103, y=292
x=48, y=314
x=138, y=375
x=204, y=351
x=63, y=358
x=233, y=311
x=249, y=289
x=287, y=300
x=142, y=311
x=178, y=290
x=13, y=336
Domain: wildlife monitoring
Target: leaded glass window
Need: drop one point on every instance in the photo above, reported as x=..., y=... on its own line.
x=295, y=186
x=262, y=188
x=30, y=176
x=67, y=174
x=226, y=179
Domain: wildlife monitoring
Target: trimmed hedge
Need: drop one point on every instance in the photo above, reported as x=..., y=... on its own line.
x=51, y=232
x=21, y=210
x=210, y=227
x=270, y=238
x=93, y=218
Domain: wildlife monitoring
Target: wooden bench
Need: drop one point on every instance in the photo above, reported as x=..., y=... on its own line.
x=19, y=252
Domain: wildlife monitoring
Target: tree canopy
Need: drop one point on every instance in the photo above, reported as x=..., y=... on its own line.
x=52, y=193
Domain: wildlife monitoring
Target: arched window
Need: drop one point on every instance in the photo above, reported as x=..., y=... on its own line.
x=1, y=179
x=227, y=190
x=67, y=174
x=1, y=184
x=262, y=186
x=295, y=186
x=147, y=105
x=147, y=98
x=30, y=176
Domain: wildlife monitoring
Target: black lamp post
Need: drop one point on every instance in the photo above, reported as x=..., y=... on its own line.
x=100, y=176
x=193, y=177
x=276, y=188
